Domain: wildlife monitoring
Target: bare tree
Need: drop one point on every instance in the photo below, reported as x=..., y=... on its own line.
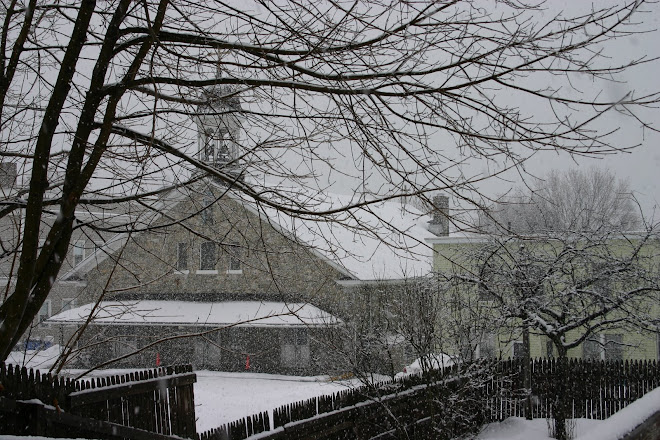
x=569, y=287
x=439, y=316
x=572, y=200
x=98, y=104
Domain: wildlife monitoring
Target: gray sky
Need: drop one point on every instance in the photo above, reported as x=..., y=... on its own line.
x=639, y=166
x=642, y=165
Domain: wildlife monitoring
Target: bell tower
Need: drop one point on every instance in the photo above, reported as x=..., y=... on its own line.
x=219, y=121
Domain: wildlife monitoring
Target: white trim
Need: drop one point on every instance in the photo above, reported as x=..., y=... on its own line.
x=182, y=272
x=234, y=272
x=513, y=348
x=352, y=283
x=456, y=240
x=484, y=238
x=206, y=272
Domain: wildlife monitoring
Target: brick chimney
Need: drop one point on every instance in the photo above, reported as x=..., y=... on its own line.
x=7, y=174
x=439, y=224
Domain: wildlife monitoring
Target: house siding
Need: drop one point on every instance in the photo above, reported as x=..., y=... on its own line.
x=451, y=255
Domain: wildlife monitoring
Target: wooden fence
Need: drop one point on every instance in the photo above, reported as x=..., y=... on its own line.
x=598, y=389
x=487, y=392
x=158, y=401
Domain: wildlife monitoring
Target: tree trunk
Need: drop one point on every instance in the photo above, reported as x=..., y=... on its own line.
x=527, y=373
x=562, y=399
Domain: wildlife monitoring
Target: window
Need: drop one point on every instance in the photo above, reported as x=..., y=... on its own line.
x=591, y=349
x=518, y=350
x=613, y=347
x=182, y=256
x=549, y=349
x=295, y=348
x=78, y=252
x=486, y=348
x=223, y=154
x=207, y=208
x=606, y=347
x=68, y=304
x=235, y=255
x=44, y=311
x=207, y=256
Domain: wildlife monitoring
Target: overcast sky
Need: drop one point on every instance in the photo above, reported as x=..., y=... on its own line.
x=641, y=166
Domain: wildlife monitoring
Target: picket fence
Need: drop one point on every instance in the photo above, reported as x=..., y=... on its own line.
x=598, y=390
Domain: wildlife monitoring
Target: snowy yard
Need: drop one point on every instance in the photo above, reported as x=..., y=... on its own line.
x=225, y=397
x=517, y=428
x=222, y=397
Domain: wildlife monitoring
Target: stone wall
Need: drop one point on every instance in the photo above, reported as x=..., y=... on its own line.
x=272, y=266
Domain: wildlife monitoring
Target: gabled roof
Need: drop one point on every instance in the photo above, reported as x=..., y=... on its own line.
x=194, y=313
x=379, y=241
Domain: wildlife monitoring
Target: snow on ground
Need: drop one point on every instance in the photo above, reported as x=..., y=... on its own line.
x=627, y=419
x=614, y=428
x=222, y=397
x=517, y=428
x=434, y=361
x=225, y=397
x=37, y=359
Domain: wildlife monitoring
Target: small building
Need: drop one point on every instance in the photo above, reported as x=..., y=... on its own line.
x=232, y=335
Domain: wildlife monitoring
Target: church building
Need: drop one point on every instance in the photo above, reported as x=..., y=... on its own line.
x=220, y=280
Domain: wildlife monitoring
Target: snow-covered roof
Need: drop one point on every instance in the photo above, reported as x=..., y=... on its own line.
x=460, y=237
x=236, y=313
x=379, y=241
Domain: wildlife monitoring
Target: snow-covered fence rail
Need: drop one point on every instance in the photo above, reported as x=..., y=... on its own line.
x=158, y=401
x=239, y=429
x=489, y=392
